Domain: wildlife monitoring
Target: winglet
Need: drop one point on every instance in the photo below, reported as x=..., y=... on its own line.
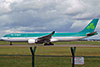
x=53, y=32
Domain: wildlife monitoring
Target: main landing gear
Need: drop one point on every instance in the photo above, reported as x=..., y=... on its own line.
x=10, y=43
x=48, y=44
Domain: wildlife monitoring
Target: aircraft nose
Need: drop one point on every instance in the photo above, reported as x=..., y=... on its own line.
x=2, y=39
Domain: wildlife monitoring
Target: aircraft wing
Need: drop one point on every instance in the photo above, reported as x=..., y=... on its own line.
x=45, y=39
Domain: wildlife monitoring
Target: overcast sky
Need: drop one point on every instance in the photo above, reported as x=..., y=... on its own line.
x=47, y=15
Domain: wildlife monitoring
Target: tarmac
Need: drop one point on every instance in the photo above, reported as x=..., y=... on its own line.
x=66, y=45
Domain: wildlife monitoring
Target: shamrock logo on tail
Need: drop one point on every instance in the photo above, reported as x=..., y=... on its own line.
x=91, y=26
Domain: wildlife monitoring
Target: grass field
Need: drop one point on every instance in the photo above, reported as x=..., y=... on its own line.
x=59, y=51
x=48, y=56
x=57, y=43
x=25, y=61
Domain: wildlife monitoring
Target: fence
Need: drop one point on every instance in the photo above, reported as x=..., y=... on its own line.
x=47, y=57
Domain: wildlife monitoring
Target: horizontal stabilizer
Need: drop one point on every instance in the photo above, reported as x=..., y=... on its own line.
x=93, y=33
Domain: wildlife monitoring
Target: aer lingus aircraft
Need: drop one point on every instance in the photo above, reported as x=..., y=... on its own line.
x=49, y=38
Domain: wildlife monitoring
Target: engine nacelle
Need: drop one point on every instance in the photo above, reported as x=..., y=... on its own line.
x=53, y=40
x=30, y=41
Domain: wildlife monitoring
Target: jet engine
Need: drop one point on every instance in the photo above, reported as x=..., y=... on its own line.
x=53, y=40
x=30, y=41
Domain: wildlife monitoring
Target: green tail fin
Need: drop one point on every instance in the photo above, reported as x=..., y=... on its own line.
x=91, y=26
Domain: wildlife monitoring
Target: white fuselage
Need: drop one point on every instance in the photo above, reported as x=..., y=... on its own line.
x=20, y=39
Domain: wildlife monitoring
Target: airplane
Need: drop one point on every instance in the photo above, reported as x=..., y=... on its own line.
x=49, y=38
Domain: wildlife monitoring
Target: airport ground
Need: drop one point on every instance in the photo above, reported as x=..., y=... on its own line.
x=14, y=56
x=57, y=43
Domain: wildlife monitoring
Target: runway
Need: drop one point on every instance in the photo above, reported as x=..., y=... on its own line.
x=67, y=45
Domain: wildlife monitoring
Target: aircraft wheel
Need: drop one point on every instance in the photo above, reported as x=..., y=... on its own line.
x=51, y=43
x=46, y=44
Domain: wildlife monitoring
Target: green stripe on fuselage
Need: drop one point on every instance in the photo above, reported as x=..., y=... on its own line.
x=44, y=34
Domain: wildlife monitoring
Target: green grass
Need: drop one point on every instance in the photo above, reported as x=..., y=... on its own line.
x=15, y=51
x=26, y=61
x=59, y=51
x=79, y=42
x=15, y=61
x=14, y=43
x=57, y=43
x=44, y=61
x=52, y=61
